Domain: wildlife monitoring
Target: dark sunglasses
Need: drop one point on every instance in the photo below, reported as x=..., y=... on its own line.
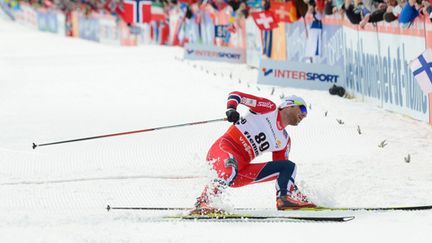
x=303, y=109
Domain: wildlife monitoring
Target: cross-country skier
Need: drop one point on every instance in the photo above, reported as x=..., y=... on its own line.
x=261, y=130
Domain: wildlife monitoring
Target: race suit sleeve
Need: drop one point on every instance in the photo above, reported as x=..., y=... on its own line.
x=284, y=153
x=255, y=104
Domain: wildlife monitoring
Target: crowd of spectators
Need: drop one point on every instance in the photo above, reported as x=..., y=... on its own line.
x=358, y=12
x=86, y=6
x=362, y=12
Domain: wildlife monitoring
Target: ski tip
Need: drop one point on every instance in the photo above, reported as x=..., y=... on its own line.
x=322, y=219
x=348, y=218
x=34, y=146
x=108, y=208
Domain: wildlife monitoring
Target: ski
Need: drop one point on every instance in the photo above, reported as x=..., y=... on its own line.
x=250, y=217
x=406, y=208
x=108, y=208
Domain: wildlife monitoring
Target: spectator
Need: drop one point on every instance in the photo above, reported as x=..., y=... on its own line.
x=334, y=6
x=409, y=13
x=393, y=10
x=338, y=4
x=375, y=16
x=242, y=11
x=353, y=16
x=235, y=4
x=328, y=7
x=427, y=9
x=372, y=5
x=301, y=7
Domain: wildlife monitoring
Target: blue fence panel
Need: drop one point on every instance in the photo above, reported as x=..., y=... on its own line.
x=47, y=21
x=88, y=28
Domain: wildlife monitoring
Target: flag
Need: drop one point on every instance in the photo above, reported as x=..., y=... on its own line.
x=265, y=20
x=136, y=11
x=157, y=12
x=314, y=40
x=267, y=43
x=221, y=31
x=422, y=70
x=284, y=11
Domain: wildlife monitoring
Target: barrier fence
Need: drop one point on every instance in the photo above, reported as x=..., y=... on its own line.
x=374, y=60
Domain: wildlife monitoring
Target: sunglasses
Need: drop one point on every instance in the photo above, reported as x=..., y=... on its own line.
x=301, y=105
x=303, y=109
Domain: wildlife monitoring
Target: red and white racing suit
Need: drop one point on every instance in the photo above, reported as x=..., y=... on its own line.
x=259, y=131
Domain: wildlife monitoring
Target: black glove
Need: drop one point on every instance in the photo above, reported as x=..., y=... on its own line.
x=232, y=115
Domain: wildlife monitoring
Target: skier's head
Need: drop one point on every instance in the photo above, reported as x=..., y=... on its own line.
x=293, y=109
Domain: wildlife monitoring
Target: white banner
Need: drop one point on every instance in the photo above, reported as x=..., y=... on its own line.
x=254, y=45
x=299, y=74
x=108, y=31
x=61, y=24
x=213, y=53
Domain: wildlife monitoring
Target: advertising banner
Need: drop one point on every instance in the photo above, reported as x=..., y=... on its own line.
x=61, y=23
x=254, y=47
x=299, y=74
x=47, y=21
x=400, y=91
x=361, y=64
x=144, y=36
x=296, y=41
x=332, y=43
x=207, y=24
x=6, y=10
x=108, y=31
x=377, y=67
x=88, y=28
x=27, y=16
x=213, y=53
x=374, y=61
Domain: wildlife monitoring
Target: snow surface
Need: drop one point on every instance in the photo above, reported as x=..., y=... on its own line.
x=55, y=88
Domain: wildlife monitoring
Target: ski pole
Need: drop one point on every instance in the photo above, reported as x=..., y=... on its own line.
x=127, y=133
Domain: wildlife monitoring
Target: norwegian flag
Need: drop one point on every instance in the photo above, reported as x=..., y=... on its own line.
x=284, y=11
x=265, y=20
x=136, y=11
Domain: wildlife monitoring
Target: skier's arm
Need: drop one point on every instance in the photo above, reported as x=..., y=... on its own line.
x=255, y=104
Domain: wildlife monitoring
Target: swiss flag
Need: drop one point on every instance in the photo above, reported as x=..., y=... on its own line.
x=265, y=20
x=284, y=11
x=136, y=11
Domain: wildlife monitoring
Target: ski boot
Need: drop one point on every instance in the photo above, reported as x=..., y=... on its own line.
x=295, y=200
x=202, y=206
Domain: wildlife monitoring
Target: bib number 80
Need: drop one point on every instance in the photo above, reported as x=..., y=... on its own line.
x=260, y=139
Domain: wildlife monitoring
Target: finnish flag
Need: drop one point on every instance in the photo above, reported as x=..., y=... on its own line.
x=422, y=70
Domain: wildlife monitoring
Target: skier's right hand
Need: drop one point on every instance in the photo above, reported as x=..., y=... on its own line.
x=232, y=115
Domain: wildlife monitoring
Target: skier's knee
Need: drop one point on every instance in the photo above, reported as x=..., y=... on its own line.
x=232, y=167
x=289, y=166
x=231, y=162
